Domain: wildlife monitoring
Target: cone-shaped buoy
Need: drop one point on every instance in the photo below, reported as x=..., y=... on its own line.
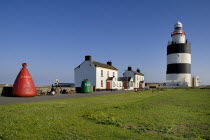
x=24, y=85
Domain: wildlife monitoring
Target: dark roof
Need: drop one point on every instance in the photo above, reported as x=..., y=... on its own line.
x=138, y=73
x=98, y=64
x=124, y=79
x=110, y=78
x=153, y=83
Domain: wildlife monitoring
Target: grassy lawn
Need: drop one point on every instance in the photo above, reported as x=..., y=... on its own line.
x=172, y=114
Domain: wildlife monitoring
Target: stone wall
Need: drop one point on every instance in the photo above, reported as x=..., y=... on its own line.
x=6, y=90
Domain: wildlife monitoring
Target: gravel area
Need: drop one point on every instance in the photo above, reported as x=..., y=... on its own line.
x=15, y=100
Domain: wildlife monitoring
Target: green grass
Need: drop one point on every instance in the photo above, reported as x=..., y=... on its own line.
x=172, y=114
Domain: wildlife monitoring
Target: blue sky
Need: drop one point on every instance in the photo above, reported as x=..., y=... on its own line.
x=53, y=36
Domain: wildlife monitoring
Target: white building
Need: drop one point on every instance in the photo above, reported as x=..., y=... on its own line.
x=195, y=81
x=128, y=83
x=137, y=76
x=178, y=73
x=102, y=76
x=178, y=59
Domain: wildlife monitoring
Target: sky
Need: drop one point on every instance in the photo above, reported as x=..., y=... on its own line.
x=53, y=36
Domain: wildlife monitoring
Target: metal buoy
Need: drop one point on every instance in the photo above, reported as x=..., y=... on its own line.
x=24, y=85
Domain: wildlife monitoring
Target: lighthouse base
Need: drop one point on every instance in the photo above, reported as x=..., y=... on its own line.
x=176, y=84
x=178, y=80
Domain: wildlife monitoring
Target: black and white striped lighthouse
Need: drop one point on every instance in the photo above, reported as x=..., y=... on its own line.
x=178, y=59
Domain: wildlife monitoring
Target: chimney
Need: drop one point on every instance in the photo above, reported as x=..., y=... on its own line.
x=109, y=63
x=138, y=70
x=129, y=68
x=88, y=58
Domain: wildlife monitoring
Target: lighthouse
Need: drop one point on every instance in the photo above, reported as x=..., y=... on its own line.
x=178, y=59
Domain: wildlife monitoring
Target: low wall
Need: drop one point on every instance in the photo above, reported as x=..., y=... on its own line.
x=6, y=90
x=47, y=89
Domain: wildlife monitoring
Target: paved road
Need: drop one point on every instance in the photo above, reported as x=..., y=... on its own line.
x=15, y=100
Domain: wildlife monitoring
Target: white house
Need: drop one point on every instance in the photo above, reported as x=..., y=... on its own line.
x=128, y=82
x=102, y=76
x=137, y=76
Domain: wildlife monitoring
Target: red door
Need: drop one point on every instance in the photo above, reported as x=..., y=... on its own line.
x=140, y=86
x=107, y=85
x=125, y=84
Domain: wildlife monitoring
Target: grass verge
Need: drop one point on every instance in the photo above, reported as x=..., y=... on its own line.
x=171, y=114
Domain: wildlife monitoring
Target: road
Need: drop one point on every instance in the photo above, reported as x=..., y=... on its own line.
x=15, y=100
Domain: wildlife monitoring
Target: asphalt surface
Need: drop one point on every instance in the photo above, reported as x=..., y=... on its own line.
x=15, y=100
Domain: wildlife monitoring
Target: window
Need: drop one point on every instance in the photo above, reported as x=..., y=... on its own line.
x=113, y=84
x=101, y=83
x=136, y=77
x=101, y=73
x=131, y=84
x=113, y=74
x=107, y=74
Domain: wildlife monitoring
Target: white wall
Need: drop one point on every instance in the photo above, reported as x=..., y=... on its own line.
x=179, y=58
x=105, y=76
x=87, y=70
x=179, y=78
x=139, y=78
x=120, y=85
x=116, y=85
x=136, y=78
x=178, y=38
x=196, y=81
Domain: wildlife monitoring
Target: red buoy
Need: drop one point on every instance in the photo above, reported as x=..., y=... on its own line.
x=24, y=85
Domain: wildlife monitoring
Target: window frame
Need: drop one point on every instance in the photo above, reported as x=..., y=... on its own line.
x=102, y=83
x=102, y=73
